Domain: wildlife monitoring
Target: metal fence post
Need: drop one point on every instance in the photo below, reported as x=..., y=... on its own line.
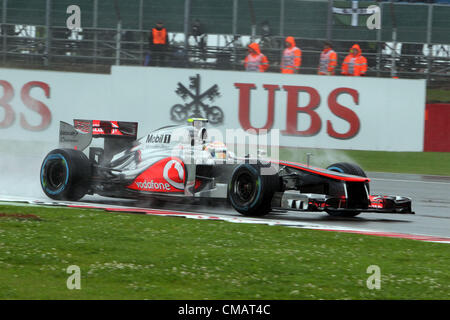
x=394, y=40
x=187, y=15
x=282, y=17
x=330, y=19
x=119, y=32
x=430, y=47
x=118, y=40
x=4, y=33
x=379, y=52
x=235, y=17
x=141, y=29
x=252, y=19
x=95, y=25
x=48, y=33
x=234, y=30
x=394, y=53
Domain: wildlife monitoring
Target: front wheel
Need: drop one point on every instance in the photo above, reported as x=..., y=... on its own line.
x=65, y=174
x=347, y=168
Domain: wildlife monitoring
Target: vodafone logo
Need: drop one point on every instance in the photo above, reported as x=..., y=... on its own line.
x=153, y=185
x=166, y=175
x=173, y=173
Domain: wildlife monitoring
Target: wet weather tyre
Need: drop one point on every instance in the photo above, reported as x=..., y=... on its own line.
x=250, y=192
x=347, y=168
x=65, y=174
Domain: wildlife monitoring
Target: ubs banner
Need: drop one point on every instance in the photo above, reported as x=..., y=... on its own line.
x=309, y=111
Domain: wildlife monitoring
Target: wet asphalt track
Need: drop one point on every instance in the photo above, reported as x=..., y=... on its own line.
x=430, y=199
x=430, y=196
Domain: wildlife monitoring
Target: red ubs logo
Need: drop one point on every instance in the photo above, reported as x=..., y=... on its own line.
x=293, y=108
x=31, y=103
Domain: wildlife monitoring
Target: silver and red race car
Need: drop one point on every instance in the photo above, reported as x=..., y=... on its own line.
x=180, y=163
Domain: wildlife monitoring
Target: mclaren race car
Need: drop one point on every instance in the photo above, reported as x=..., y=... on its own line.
x=180, y=163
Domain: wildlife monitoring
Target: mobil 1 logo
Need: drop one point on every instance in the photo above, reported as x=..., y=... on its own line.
x=158, y=138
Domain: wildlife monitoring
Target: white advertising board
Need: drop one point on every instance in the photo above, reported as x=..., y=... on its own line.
x=310, y=111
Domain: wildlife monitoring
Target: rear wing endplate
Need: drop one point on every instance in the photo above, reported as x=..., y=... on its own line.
x=79, y=135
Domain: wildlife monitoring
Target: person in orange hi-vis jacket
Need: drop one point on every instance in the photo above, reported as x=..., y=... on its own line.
x=158, y=44
x=292, y=57
x=354, y=64
x=328, y=60
x=255, y=61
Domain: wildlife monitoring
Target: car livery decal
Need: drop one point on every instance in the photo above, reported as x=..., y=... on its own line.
x=322, y=172
x=166, y=175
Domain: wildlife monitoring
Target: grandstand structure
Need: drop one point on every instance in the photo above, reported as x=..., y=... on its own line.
x=413, y=40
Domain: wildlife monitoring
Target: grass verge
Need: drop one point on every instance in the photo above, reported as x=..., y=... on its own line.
x=125, y=256
x=432, y=163
x=438, y=95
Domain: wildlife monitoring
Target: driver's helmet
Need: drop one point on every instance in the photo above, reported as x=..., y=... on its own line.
x=217, y=149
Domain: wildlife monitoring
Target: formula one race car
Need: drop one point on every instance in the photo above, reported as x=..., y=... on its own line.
x=179, y=163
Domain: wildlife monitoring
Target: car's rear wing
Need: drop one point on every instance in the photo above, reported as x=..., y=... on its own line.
x=102, y=129
x=117, y=134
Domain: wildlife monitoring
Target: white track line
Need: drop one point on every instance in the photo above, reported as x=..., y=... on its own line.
x=209, y=216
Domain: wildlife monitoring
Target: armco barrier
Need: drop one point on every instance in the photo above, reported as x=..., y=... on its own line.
x=437, y=127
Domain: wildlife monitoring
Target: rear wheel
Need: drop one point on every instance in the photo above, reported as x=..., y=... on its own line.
x=65, y=174
x=348, y=168
x=250, y=192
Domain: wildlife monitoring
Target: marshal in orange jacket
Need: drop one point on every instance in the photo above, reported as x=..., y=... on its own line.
x=354, y=64
x=328, y=61
x=158, y=37
x=255, y=61
x=292, y=57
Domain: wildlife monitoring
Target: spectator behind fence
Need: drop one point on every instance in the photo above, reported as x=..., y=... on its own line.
x=255, y=61
x=158, y=44
x=292, y=57
x=328, y=60
x=355, y=64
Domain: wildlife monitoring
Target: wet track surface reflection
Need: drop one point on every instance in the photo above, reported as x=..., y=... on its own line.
x=430, y=200
x=430, y=196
